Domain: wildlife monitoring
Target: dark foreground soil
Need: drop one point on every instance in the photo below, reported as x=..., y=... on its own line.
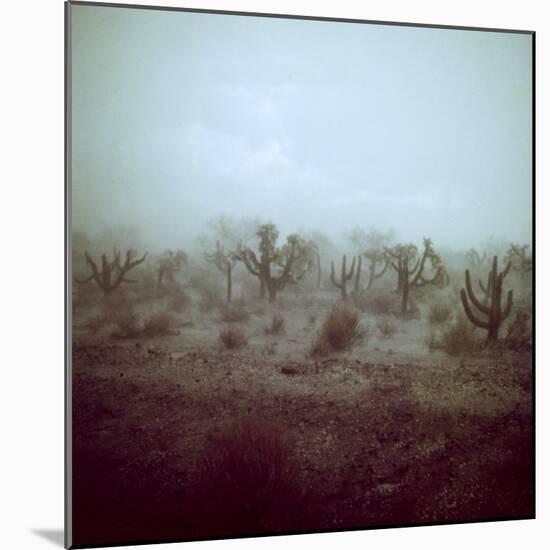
x=370, y=444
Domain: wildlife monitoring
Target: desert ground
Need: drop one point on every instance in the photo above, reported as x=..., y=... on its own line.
x=194, y=418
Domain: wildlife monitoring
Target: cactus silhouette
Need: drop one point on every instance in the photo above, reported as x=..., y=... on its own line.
x=224, y=262
x=492, y=312
x=112, y=273
x=345, y=276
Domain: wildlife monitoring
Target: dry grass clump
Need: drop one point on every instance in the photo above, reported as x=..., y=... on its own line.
x=440, y=312
x=233, y=337
x=160, y=323
x=277, y=326
x=248, y=479
x=460, y=338
x=234, y=312
x=340, y=330
x=386, y=327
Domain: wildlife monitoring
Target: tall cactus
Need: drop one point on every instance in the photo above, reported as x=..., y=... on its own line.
x=357, y=284
x=493, y=309
x=224, y=262
x=345, y=276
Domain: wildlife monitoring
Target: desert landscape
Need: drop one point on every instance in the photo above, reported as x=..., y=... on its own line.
x=206, y=406
x=300, y=277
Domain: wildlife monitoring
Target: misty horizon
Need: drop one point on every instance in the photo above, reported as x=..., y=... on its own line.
x=309, y=125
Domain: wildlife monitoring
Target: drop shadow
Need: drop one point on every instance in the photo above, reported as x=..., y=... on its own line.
x=56, y=536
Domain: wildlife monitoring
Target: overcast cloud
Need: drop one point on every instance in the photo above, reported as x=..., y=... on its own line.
x=179, y=117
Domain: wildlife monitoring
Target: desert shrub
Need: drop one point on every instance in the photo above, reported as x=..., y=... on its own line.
x=460, y=337
x=386, y=327
x=519, y=334
x=179, y=301
x=277, y=326
x=233, y=337
x=439, y=312
x=160, y=323
x=248, y=479
x=340, y=330
x=127, y=324
x=234, y=312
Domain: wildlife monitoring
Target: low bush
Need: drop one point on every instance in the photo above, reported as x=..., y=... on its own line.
x=277, y=326
x=340, y=330
x=440, y=312
x=160, y=323
x=248, y=479
x=460, y=338
x=519, y=336
x=233, y=338
x=127, y=324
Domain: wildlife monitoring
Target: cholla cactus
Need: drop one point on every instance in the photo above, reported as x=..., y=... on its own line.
x=517, y=255
x=275, y=267
x=492, y=313
x=411, y=269
x=168, y=265
x=112, y=273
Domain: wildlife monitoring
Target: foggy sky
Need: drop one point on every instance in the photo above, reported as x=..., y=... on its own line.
x=179, y=117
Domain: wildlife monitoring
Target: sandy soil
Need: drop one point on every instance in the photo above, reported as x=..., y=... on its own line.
x=386, y=433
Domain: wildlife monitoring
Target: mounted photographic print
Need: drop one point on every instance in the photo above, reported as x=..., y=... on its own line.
x=299, y=274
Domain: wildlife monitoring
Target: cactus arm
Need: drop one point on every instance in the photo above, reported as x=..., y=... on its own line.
x=506, y=270
x=333, y=276
x=386, y=265
x=250, y=262
x=483, y=288
x=508, y=307
x=469, y=313
x=472, y=296
x=352, y=270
